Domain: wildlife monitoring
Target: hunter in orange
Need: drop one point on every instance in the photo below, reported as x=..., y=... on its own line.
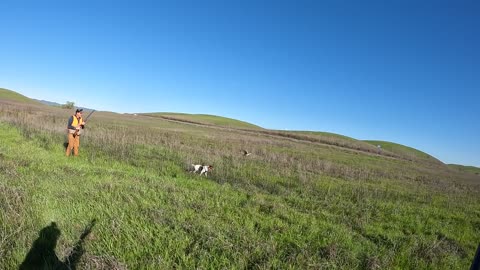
x=74, y=128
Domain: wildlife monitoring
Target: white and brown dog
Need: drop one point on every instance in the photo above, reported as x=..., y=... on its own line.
x=203, y=169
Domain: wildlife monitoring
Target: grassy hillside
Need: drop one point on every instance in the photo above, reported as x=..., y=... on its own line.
x=6, y=94
x=127, y=202
x=319, y=133
x=205, y=119
x=403, y=150
x=461, y=168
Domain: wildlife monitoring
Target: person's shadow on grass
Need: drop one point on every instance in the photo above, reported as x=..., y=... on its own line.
x=42, y=254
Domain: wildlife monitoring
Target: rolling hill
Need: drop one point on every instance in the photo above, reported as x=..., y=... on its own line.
x=403, y=150
x=462, y=168
x=204, y=119
x=7, y=94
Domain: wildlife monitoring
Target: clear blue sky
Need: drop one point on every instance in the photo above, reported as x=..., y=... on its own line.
x=402, y=71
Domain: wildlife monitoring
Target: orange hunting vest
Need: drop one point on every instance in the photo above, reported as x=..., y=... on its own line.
x=76, y=121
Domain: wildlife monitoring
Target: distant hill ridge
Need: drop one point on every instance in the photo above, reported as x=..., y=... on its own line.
x=14, y=96
x=55, y=104
x=49, y=103
x=8, y=94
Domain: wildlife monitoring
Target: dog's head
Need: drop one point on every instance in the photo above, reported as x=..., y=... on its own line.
x=210, y=167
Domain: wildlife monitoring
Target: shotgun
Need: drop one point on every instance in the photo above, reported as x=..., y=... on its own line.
x=88, y=116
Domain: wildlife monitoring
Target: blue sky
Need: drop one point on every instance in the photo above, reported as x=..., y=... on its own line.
x=401, y=71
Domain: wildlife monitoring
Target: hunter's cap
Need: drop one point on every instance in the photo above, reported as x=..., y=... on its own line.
x=79, y=110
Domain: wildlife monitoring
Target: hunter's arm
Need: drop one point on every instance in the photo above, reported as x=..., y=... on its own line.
x=70, y=121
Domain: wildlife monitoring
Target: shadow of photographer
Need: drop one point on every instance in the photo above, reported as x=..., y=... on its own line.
x=42, y=254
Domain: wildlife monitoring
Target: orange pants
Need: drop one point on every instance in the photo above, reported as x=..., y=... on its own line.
x=73, y=142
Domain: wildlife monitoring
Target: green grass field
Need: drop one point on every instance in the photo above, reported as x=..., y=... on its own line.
x=296, y=203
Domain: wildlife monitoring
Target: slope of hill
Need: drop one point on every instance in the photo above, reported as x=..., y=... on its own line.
x=127, y=202
x=469, y=169
x=7, y=94
x=319, y=133
x=340, y=140
x=205, y=119
x=403, y=150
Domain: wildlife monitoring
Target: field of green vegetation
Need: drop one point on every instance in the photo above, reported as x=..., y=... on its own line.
x=300, y=201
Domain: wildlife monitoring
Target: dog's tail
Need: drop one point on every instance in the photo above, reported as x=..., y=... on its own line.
x=189, y=169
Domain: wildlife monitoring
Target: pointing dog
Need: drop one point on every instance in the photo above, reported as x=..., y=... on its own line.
x=203, y=169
